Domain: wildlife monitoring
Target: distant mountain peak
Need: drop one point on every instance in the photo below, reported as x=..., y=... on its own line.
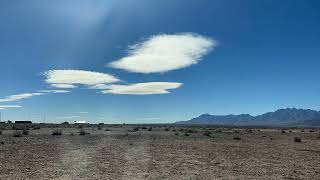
x=283, y=116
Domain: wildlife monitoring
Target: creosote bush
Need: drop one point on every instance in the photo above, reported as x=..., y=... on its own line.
x=150, y=129
x=297, y=139
x=17, y=134
x=186, y=134
x=25, y=132
x=236, y=138
x=56, y=132
x=207, y=133
x=82, y=132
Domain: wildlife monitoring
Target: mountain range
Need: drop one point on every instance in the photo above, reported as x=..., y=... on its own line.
x=288, y=116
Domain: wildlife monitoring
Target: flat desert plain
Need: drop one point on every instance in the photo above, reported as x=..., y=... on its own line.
x=158, y=152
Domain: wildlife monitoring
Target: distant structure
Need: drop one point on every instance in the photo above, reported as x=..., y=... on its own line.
x=79, y=122
x=23, y=122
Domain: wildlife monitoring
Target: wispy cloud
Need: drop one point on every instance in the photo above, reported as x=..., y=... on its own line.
x=9, y=106
x=99, y=86
x=20, y=96
x=83, y=112
x=162, y=53
x=70, y=78
x=54, y=91
x=142, y=88
x=63, y=86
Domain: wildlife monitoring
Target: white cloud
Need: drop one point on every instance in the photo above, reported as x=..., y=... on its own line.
x=142, y=88
x=9, y=106
x=83, y=112
x=64, y=78
x=162, y=53
x=63, y=86
x=19, y=97
x=99, y=86
x=54, y=91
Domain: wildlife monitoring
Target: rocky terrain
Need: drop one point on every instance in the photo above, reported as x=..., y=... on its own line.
x=159, y=152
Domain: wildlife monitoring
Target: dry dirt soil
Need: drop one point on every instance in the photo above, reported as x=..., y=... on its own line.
x=163, y=153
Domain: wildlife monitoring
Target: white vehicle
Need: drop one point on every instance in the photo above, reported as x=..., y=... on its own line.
x=79, y=122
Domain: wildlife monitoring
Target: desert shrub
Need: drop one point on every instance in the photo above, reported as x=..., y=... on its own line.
x=180, y=129
x=136, y=129
x=290, y=131
x=283, y=131
x=236, y=138
x=25, y=132
x=166, y=129
x=56, y=132
x=83, y=132
x=174, y=130
x=302, y=130
x=35, y=127
x=311, y=130
x=219, y=131
x=192, y=131
x=80, y=126
x=17, y=134
x=207, y=133
x=71, y=134
x=236, y=131
x=65, y=123
x=150, y=129
x=249, y=131
x=297, y=139
x=107, y=129
x=186, y=134
x=99, y=128
x=0, y=131
x=144, y=127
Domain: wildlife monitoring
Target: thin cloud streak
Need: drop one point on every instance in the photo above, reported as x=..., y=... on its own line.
x=20, y=96
x=142, y=88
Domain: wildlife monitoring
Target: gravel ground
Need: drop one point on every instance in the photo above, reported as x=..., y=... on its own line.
x=160, y=154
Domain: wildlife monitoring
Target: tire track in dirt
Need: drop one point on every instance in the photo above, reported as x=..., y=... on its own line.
x=137, y=158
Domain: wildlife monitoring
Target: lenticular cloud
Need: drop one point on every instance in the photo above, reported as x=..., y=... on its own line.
x=162, y=53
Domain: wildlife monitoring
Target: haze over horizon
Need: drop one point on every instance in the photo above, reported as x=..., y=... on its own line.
x=156, y=61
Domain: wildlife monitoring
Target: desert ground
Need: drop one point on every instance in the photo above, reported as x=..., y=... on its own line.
x=157, y=152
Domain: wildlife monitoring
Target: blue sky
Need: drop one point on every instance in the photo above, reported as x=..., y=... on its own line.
x=156, y=61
